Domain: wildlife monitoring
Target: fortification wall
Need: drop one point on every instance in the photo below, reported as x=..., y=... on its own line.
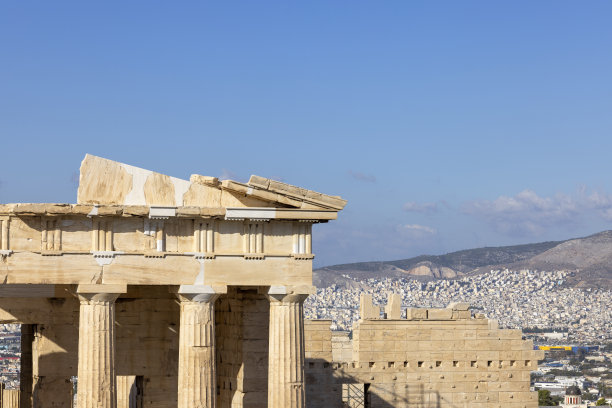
x=442, y=358
x=342, y=347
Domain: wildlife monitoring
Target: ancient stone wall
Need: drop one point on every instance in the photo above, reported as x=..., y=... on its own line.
x=147, y=347
x=318, y=337
x=54, y=353
x=342, y=347
x=322, y=390
x=442, y=358
x=228, y=332
x=242, y=328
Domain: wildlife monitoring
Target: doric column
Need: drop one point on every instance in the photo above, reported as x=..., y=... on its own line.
x=26, y=371
x=129, y=391
x=96, y=387
x=197, y=377
x=10, y=398
x=286, y=347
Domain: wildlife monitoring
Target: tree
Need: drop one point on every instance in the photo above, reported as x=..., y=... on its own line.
x=544, y=398
x=600, y=402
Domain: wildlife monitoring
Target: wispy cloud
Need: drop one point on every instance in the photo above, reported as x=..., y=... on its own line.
x=528, y=213
x=600, y=203
x=353, y=242
x=424, y=208
x=367, y=178
x=416, y=229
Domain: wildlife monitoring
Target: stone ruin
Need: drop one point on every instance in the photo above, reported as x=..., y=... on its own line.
x=157, y=292
x=432, y=358
x=152, y=291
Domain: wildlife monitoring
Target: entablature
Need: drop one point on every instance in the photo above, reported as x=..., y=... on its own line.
x=156, y=212
x=251, y=234
x=139, y=227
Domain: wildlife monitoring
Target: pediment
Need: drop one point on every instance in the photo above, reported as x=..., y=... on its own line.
x=107, y=182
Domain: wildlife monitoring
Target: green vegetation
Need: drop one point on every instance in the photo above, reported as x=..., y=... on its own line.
x=544, y=399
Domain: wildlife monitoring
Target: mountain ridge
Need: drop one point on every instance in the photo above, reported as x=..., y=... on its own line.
x=590, y=257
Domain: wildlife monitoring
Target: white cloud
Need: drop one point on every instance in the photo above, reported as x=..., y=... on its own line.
x=347, y=241
x=425, y=208
x=416, y=229
x=600, y=202
x=527, y=213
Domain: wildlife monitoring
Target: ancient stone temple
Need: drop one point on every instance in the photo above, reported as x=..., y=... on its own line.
x=153, y=291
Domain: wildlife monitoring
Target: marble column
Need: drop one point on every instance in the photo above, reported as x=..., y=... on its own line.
x=10, y=398
x=128, y=395
x=96, y=387
x=197, y=377
x=26, y=370
x=286, y=350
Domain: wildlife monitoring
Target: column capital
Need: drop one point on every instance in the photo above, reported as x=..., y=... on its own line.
x=290, y=294
x=100, y=293
x=199, y=293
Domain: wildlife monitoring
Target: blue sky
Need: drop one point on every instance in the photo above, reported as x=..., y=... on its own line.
x=447, y=125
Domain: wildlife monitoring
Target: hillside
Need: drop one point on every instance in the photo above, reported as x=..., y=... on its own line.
x=590, y=256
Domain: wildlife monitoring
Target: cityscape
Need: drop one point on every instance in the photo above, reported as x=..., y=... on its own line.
x=572, y=324
x=10, y=354
x=516, y=299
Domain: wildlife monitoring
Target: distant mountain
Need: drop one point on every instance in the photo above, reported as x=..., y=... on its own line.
x=590, y=257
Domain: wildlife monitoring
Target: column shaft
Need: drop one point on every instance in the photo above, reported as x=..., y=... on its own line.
x=96, y=386
x=286, y=352
x=197, y=386
x=10, y=399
